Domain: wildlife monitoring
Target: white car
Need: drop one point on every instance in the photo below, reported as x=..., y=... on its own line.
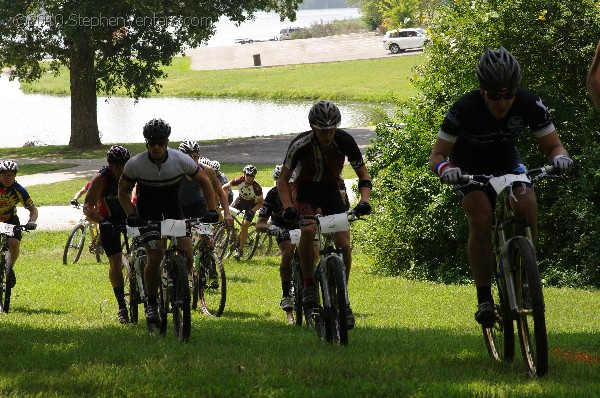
x=403, y=39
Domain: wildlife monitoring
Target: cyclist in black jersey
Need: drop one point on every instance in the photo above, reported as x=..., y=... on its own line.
x=272, y=208
x=158, y=173
x=11, y=194
x=593, y=78
x=102, y=207
x=318, y=156
x=478, y=136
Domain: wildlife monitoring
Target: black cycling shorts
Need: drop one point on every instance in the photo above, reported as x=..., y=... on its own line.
x=111, y=241
x=195, y=210
x=463, y=190
x=14, y=220
x=311, y=196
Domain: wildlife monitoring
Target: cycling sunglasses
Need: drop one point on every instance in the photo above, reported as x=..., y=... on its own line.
x=498, y=96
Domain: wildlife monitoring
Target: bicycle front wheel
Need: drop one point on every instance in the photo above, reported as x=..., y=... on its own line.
x=74, y=246
x=4, y=287
x=531, y=317
x=212, y=285
x=180, y=297
x=261, y=244
x=335, y=316
x=132, y=296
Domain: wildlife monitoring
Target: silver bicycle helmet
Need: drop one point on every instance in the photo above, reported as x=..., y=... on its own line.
x=117, y=154
x=324, y=115
x=204, y=160
x=498, y=70
x=250, y=170
x=189, y=146
x=8, y=165
x=157, y=129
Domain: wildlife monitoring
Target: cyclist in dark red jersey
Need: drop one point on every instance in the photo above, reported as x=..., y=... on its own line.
x=318, y=156
x=478, y=136
x=102, y=206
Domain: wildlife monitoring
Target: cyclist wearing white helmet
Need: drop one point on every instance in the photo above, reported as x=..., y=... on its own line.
x=272, y=209
x=158, y=173
x=319, y=155
x=478, y=136
x=191, y=195
x=11, y=194
x=102, y=207
x=250, y=199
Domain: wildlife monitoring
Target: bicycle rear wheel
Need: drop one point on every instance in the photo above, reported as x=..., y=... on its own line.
x=132, y=296
x=212, y=285
x=261, y=244
x=336, y=316
x=531, y=318
x=75, y=244
x=500, y=338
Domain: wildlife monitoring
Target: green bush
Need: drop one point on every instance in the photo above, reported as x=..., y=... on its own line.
x=418, y=228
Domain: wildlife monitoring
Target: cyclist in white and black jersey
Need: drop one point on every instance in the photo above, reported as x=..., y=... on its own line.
x=158, y=173
x=478, y=136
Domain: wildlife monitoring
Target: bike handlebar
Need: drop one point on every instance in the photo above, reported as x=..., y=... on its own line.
x=534, y=174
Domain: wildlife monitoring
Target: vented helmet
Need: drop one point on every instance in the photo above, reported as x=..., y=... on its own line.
x=157, y=129
x=276, y=172
x=498, y=70
x=324, y=115
x=117, y=154
x=204, y=160
x=250, y=170
x=215, y=165
x=8, y=165
x=189, y=146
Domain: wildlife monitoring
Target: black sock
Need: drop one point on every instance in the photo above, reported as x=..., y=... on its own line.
x=484, y=293
x=152, y=299
x=285, y=288
x=120, y=295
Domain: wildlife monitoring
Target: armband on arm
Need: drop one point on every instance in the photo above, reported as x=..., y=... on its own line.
x=441, y=166
x=365, y=183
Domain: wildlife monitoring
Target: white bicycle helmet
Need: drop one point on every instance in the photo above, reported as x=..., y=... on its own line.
x=250, y=170
x=9, y=165
x=189, y=146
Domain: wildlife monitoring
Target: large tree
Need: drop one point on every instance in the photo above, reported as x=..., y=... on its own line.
x=110, y=44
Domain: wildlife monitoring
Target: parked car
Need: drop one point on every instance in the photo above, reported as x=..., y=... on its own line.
x=285, y=33
x=402, y=39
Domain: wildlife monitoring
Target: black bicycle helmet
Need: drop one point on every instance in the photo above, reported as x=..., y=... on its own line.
x=324, y=115
x=189, y=146
x=157, y=129
x=117, y=154
x=498, y=70
x=250, y=170
x=8, y=165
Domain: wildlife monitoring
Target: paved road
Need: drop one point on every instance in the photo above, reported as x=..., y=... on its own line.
x=285, y=52
x=269, y=149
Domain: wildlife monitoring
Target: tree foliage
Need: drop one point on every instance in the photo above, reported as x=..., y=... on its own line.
x=418, y=229
x=392, y=14
x=111, y=44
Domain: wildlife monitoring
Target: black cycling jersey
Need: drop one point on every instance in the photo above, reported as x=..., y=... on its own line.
x=272, y=207
x=317, y=164
x=485, y=145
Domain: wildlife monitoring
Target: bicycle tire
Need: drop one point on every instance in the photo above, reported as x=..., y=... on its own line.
x=212, y=292
x=180, y=297
x=500, y=338
x=261, y=244
x=531, y=307
x=132, y=295
x=297, y=288
x=74, y=245
x=4, y=289
x=336, y=316
x=221, y=240
x=163, y=302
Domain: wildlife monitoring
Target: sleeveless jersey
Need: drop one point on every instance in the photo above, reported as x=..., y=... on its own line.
x=109, y=205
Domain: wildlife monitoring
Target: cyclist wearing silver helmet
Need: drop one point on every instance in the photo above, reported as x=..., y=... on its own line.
x=272, y=209
x=478, y=136
x=191, y=195
x=102, y=207
x=319, y=156
x=158, y=173
x=11, y=194
x=249, y=200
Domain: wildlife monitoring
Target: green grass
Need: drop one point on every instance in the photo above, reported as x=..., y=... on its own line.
x=411, y=339
x=25, y=169
x=60, y=193
x=370, y=80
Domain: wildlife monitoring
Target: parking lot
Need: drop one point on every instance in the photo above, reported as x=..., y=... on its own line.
x=286, y=52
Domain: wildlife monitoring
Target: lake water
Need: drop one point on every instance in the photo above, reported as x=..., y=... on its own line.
x=45, y=119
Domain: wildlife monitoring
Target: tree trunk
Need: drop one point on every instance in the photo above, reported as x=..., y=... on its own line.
x=84, y=112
